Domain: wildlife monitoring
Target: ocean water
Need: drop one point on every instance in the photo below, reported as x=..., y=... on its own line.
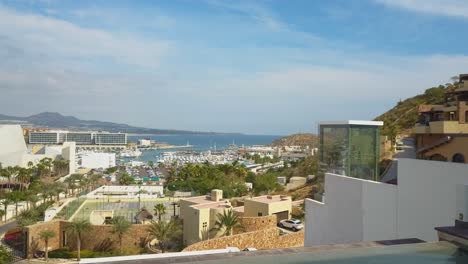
x=201, y=142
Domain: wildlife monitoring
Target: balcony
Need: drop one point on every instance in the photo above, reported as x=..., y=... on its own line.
x=421, y=129
x=442, y=127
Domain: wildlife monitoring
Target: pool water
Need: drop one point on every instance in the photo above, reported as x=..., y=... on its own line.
x=423, y=253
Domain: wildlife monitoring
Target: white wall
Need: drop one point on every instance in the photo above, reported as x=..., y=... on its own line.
x=12, y=145
x=427, y=196
x=378, y=209
x=95, y=160
x=353, y=210
x=358, y=210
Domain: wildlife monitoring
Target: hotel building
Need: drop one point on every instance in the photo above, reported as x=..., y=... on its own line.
x=81, y=138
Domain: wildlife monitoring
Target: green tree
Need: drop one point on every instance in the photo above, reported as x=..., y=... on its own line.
x=266, y=183
x=77, y=228
x=126, y=179
x=6, y=202
x=120, y=226
x=160, y=210
x=226, y=222
x=46, y=235
x=16, y=197
x=164, y=232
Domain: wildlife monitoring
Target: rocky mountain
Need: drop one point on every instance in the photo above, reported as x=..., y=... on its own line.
x=301, y=139
x=56, y=120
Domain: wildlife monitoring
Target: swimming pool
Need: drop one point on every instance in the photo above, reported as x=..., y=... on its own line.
x=423, y=253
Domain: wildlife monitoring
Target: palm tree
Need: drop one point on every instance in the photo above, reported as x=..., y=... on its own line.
x=24, y=176
x=45, y=235
x=9, y=173
x=77, y=228
x=6, y=202
x=120, y=226
x=164, y=232
x=227, y=221
x=139, y=193
x=57, y=188
x=2, y=213
x=32, y=199
x=16, y=197
x=160, y=210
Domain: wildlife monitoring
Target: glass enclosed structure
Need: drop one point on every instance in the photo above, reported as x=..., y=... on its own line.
x=351, y=148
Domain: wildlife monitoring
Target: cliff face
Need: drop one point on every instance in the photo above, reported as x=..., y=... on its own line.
x=302, y=139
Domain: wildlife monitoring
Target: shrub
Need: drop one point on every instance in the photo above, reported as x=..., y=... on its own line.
x=5, y=256
x=60, y=253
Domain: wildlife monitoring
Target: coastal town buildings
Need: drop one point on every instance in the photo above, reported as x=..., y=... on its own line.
x=199, y=214
x=14, y=152
x=442, y=131
x=80, y=138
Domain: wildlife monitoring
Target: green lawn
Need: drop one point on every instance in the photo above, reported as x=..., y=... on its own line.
x=127, y=209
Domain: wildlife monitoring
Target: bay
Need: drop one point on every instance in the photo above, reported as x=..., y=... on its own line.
x=201, y=142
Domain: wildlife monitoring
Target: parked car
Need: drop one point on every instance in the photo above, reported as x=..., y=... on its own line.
x=293, y=224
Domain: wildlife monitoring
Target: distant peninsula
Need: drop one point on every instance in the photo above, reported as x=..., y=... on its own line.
x=55, y=120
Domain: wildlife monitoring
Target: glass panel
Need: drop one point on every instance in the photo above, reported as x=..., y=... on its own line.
x=363, y=156
x=334, y=148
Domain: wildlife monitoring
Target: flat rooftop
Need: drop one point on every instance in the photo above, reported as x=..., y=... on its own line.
x=353, y=122
x=370, y=252
x=198, y=199
x=270, y=198
x=214, y=205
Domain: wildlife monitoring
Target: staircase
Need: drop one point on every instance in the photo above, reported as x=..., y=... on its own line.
x=16, y=254
x=436, y=144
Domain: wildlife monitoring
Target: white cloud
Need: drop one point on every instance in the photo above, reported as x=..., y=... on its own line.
x=253, y=10
x=455, y=8
x=40, y=36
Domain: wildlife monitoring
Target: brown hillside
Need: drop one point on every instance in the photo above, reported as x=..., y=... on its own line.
x=301, y=139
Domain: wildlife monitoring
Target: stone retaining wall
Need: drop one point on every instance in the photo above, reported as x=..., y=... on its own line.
x=136, y=237
x=263, y=239
x=251, y=224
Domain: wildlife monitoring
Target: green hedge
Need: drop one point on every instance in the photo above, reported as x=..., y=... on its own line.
x=64, y=253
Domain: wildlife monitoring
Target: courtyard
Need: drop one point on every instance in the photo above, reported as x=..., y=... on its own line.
x=127, y=208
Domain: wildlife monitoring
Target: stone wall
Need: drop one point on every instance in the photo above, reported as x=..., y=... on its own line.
x=263, y=239
x=33, y=231
x=251, y=224
x=136, y=237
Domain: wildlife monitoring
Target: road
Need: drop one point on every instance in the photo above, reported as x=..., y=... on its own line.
x=5, y=227
x=407, y=151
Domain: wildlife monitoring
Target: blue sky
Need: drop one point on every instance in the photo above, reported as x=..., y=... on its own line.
x=263, y=67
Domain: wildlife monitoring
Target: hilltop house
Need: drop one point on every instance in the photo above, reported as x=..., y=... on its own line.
x=199, y=214
x=442, y=131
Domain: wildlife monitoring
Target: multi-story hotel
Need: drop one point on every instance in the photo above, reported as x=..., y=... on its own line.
x=442, y=131
x=81, y=138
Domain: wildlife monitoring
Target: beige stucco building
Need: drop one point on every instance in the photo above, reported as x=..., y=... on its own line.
x=279, y=205
x=442, y=131
x=199, y=214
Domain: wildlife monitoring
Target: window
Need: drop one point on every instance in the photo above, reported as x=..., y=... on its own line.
x=260, y=214
x=459, y=158
x=205, y=224
x=64, y=238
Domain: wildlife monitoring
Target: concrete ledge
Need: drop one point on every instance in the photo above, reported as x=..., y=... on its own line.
x=182, y=255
